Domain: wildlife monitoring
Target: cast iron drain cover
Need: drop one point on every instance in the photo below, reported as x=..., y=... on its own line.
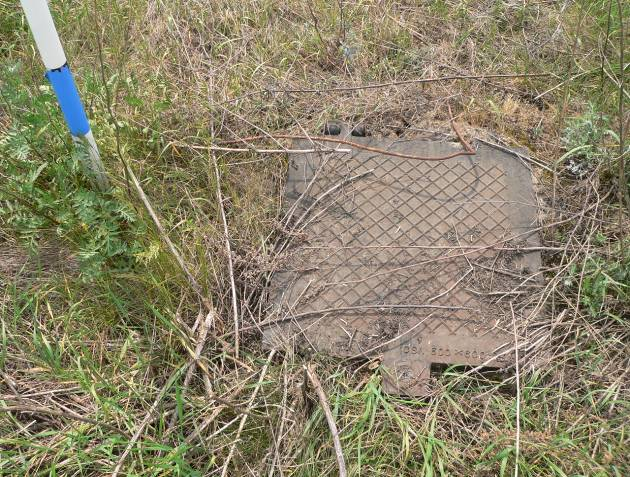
x=420, y=262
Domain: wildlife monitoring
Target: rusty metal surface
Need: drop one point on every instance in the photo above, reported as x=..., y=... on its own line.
x=415, y=261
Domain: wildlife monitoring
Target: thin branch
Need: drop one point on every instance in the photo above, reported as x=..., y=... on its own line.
x=194, y=360
x=342, y=23
x=283, y=418
x=241, y=426
x=147, y=418
x=452, y=287
x=479, y=78
x=166, y=239
x=367, y=353
x=228, y=249
x=623, y=183
x=468, y=150
x=316, y=24
x=66, y=414
x=605, y=52
x=264, y=151
x=130, y=174
x=108, y=98
x=322, y=196
x=312, y=376
x=517, y=444
x=516, y=153
x=353, y=308
x=196, y=434
x=412, y=81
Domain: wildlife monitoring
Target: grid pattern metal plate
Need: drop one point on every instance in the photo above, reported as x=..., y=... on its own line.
x=416, y=261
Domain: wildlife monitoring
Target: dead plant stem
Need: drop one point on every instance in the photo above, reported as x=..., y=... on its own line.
x=323, y=401
x=623, y=184
x=228, y=250
x=66, y=414
x=241, y=426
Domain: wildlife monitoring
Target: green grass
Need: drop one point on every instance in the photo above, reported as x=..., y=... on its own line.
x=108, y=336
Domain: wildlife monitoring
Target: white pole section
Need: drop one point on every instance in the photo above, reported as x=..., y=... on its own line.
x=45, y=34
x=58, y=73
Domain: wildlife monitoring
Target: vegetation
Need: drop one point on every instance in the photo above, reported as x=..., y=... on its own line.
x=115, y=357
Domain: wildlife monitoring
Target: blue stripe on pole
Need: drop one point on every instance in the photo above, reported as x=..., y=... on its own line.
x=69, y=100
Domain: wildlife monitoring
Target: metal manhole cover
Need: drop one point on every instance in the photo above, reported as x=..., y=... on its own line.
x=421, y=262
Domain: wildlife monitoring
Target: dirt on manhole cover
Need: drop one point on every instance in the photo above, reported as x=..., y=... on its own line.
x=420, y=262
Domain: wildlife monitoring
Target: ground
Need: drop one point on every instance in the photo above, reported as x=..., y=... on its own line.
x=117, y=346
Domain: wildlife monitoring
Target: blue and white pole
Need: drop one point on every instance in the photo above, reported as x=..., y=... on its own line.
x=59, y=75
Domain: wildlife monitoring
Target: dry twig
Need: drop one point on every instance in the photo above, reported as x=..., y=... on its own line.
x=312, y=376
x=623, y=184
x=440, y=79
x=241, y=426
x=228, y=249
x=194, y=360
x=147, y=419
x=468, y=150
x=67, y=414
x=517, y=445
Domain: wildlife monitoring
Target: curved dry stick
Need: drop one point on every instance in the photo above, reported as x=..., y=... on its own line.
x=67, y=414
x=310, y=372
x=468, y=150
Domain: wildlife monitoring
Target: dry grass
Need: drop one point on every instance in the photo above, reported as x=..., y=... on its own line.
x=138, y=351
